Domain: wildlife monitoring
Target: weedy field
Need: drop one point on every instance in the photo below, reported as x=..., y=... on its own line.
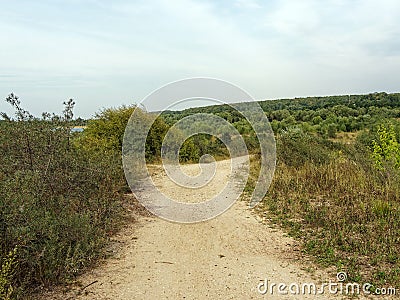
x=341, y=201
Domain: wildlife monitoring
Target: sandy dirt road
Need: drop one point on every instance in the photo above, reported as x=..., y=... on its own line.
x=223, y=258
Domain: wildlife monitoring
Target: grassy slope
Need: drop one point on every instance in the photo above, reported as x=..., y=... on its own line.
x=345, y=212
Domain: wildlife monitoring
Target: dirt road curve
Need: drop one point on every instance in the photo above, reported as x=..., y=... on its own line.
x=224, y=258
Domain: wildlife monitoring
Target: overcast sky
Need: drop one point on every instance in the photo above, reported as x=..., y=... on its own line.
x=107, y=53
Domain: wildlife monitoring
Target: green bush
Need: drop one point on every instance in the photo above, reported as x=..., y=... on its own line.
x=105, y=132
x=7, y=269
x=295, y=148
x=58, y=203
x=386, y=147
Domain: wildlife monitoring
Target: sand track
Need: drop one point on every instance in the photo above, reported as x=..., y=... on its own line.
x=223, y=258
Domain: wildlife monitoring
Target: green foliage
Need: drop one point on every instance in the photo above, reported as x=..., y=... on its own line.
x=155, y=138
x=295, y=148
x=317, y=120
x=326, y=116
x=189, y=152
x=7, y=269
x=105, y=133
x=386, y=147
x=331, y=130
x=58, y=204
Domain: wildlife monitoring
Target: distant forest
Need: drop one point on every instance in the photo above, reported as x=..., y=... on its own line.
x=324, y=115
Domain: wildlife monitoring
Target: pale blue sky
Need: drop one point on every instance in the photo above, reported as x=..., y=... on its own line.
x=106, y=53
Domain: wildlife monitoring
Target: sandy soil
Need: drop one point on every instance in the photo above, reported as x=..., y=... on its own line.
x=223, y=258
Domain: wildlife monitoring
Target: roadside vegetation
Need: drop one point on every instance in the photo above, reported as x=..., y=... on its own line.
x=58, y=202
x=336, y=186
x=342, y=201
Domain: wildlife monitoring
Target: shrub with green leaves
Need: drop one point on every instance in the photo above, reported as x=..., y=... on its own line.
x=105, y=132
x=7, y=269
x=386, y=147
x=295, y=148
x=58, y=202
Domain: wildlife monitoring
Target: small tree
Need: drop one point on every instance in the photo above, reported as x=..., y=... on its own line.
x=386, y=147
x=331, y=130
x=105, y=133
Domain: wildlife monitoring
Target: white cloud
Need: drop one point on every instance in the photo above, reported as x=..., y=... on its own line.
x=247, y=4
x=122, y=49
x=336, y=27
